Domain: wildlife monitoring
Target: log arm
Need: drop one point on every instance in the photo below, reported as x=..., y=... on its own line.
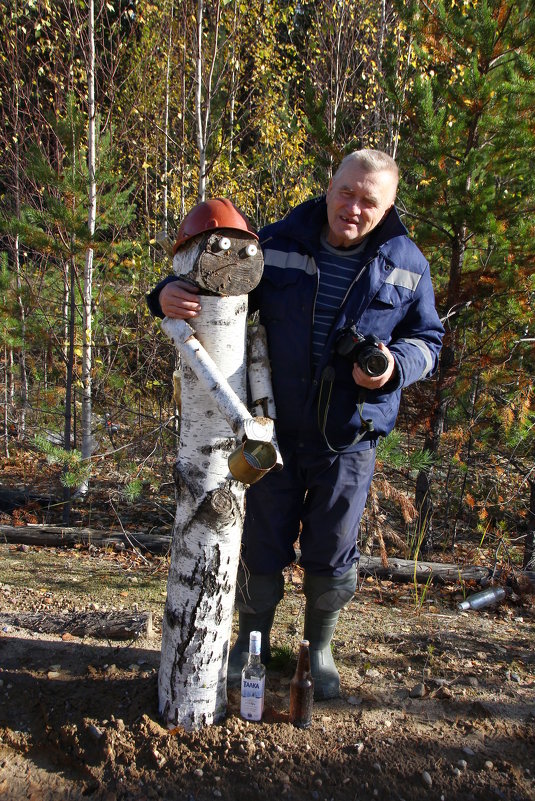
x=259, y=373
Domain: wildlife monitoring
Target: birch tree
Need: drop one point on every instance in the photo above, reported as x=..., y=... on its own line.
x=87, y=435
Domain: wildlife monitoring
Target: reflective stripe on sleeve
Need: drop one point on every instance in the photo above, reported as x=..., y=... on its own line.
x=424, y=350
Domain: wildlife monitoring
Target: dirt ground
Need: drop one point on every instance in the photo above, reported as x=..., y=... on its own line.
x=435, y=704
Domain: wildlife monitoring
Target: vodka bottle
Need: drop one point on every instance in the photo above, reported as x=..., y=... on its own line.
x=484, y=598
x=253, y=679
x=302, y=689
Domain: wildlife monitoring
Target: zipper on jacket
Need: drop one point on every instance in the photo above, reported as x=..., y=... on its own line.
x=311, y=366
x=354, y=281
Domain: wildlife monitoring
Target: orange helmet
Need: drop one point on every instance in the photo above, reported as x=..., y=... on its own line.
x=209, y=215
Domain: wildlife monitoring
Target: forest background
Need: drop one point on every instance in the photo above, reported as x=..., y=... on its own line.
x=118, y=116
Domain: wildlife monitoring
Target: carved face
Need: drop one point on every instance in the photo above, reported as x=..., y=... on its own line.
x=223, y=262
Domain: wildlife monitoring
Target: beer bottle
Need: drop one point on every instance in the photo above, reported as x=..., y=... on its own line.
x=253, y=678
x=302, y=689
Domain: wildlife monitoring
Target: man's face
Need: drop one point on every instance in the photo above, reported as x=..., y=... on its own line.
x=357, y=201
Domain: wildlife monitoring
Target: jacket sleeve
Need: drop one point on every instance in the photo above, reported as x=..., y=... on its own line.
x=153, y=297
x=417, y=339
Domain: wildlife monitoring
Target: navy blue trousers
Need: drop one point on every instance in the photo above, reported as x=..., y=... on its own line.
x=324, y=496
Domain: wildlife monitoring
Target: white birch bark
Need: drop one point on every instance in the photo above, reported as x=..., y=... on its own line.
x=262, y=399
x=204, y=91
x=16, y=258
x=206, y=538
x=6, y=405
x=166, y=121
x=87, y=439
x=212, y=380
x=199, y=128
x=260, y=387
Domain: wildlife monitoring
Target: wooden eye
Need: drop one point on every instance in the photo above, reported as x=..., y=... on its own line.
x=223, y=243
x=249, y=251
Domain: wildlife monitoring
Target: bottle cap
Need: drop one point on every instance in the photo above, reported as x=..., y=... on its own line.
x=463, y=606
x=255, y=642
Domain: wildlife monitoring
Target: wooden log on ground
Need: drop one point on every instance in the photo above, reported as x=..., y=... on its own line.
x=99, y=625
x=407, y=570
x=57, y=536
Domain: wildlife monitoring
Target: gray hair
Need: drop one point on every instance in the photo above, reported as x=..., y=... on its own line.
x=370, y=161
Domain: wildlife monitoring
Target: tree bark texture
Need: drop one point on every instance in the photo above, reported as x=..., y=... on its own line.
x=100, y=625
x=66, y=536
x=87, y=354
x=205, y=549
x=529, y=549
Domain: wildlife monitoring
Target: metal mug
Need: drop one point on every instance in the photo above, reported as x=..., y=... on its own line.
x=252, y=460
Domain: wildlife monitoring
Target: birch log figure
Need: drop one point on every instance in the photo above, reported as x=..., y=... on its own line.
x=207, y=532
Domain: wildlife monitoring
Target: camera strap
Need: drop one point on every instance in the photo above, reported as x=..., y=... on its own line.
x=326, y=388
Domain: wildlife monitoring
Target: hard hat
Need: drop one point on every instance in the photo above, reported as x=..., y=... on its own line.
x=209, y=215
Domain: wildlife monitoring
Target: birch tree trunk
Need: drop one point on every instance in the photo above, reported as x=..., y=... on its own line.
x=87, y=439
x=69, y=375
x=166, y=121
x=204, y=91
x=16, y=258
x=6, y=405
x=199, y=128
x=207, y=532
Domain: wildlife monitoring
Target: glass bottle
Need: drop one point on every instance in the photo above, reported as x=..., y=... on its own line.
x=253, y=680
x=302, y=689
x=484, y=598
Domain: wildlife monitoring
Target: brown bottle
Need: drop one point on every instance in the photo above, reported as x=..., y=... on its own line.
x=302, y=690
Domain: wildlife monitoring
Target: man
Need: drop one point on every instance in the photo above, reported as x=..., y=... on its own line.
x=337, y=269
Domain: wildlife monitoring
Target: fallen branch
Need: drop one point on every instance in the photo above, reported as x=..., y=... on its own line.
x=407, y=570
x=99, y=625
x=56, y=536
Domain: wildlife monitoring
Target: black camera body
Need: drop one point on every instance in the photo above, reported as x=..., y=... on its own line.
x=362, y=349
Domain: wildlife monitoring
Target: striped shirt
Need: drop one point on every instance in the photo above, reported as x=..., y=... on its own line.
x=337, y=269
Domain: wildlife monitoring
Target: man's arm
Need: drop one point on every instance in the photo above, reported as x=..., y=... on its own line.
x=174, y=298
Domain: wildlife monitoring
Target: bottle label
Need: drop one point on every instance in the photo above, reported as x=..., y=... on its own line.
x=252, y=698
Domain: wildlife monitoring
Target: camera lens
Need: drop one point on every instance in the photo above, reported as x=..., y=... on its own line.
x=372, y=360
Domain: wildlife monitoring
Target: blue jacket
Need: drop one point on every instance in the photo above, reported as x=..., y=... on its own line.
x=393, y=299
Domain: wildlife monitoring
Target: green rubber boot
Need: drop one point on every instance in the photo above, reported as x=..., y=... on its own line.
x=325, y=596
x=256, y=601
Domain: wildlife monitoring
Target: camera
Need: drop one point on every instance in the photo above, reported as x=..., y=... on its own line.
x=362, y=349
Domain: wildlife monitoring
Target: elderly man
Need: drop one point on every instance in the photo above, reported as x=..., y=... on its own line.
x=348, y=306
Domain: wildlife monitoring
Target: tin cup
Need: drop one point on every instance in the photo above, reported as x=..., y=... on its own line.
x=252, y=460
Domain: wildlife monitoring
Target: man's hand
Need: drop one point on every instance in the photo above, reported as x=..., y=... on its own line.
x=362, y=379
x=179, y=300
